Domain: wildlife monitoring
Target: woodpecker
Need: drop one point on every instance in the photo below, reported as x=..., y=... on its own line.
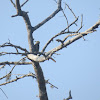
x=37, y=46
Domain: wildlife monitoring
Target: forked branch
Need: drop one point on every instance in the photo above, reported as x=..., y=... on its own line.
x=69, y=97
x=17, y=78
x=11, y=69
x=41, y=56
x=61, y=33
x=13, y=3
x=24, y=3
x=13, y=63
x=49, y=17
x=65, y=44
x=78, y=36
x=8, y=44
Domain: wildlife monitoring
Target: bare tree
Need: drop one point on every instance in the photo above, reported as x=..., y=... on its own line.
x=36, y=56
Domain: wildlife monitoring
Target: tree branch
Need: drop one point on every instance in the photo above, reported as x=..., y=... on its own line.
x=17, y=78
x=37, y=68
x=62, y=32
x=28, y=24
x=9, y=74
x=94, y=27
x=70, y=97
x=71, y=10
x=41, y=81
x=28, y=75
x=50, y=17
x=8, y=44
x=35, y=59
x=13, y=3
x=13, y=63
x=81, y=24
x=51, y=85
x=66, y=43
x=24, y=3
x=18, y=7
x=4, y=93
x=65, y=18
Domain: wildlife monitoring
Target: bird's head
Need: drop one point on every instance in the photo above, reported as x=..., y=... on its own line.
x=37, y=42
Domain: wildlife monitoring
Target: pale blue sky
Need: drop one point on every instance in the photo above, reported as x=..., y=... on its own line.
x=77, y=68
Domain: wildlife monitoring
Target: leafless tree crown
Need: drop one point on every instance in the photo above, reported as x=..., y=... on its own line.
x=34, y=55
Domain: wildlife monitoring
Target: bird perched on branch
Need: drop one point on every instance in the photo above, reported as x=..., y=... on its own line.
x=36, y=46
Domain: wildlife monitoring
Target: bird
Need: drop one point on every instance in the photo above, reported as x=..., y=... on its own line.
x=36, y=46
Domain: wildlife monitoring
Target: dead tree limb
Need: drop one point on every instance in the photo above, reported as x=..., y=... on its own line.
x=24, y=3
x=44, y=55
x=65, y=44
x=30, y=30
x=9, y=74
x=49, y=17
x=69, y=97
x=17, y=78
x=13, y=63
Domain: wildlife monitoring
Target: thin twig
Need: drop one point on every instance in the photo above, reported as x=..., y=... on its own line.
x=70, y=97
x=12, y=45
x=52, y=86
x=71, y=10
x=24, y=3
x=11, y=70
x=4, y=93
x=23, y=54
x=17, y=78
x=55, y=1
x=49, y=54
x=13, y=3
x=66, y=19
x=9, y=53
x=49, y=17
x=70, y=41
x=81, y=24
x=2, y=66
x=70, y=36
x=94, y=26
x=27, y=75
x=13, y=63
x=62, y=32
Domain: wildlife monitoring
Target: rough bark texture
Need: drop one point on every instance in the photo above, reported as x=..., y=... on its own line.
x=34, y=55
x=41, y=81
x=36, y=66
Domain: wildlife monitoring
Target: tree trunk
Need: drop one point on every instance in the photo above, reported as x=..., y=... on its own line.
x=41, y=81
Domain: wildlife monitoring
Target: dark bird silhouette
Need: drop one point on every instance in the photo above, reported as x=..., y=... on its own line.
x=36, y=46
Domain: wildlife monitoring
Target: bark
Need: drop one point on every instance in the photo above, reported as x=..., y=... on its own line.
x=36, y=66
x=30, y=30
x=41, y=81
x=35, y=59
